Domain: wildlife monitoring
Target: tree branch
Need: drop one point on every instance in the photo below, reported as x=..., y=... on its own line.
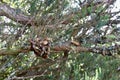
x=13, y=52
x=20, y=17
x=61, y=48
x=13, y=14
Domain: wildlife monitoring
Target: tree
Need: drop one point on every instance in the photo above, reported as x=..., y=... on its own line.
x=40, y=38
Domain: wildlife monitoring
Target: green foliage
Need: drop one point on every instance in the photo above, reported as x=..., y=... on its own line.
x=91, y=67
x=58, y=20
x=102, y=21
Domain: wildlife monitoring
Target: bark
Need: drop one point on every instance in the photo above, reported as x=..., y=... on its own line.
x=11, y=13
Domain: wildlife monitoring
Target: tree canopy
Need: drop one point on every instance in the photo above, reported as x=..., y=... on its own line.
x=59, y=39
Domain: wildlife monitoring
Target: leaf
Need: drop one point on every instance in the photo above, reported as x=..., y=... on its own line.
x=111, y=36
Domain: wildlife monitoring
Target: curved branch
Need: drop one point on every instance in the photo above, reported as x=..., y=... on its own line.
x=15, y=15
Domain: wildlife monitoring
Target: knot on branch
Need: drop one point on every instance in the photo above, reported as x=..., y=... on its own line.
x=41, y=47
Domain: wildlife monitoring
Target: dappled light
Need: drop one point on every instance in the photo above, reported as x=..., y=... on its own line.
x=59, y=40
